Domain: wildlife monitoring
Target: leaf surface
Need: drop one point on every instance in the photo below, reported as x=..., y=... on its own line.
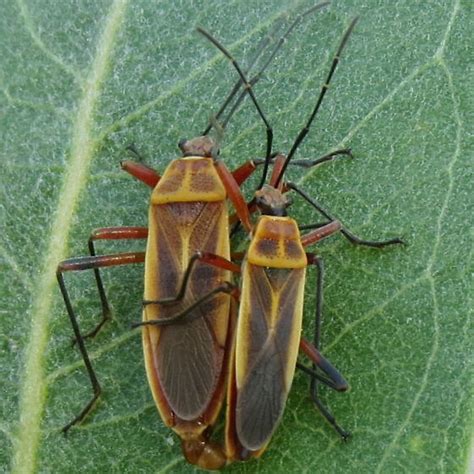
x=82, y=81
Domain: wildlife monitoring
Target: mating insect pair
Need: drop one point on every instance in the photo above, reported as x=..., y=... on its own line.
x=194, y=343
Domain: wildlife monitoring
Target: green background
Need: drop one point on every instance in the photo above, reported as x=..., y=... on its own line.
x=80, y=81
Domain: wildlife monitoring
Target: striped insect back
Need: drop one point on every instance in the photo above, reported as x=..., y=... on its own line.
x=186, y=361
x=269, y=328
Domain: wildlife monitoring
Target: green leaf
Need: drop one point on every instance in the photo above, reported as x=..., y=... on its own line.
x=81, y=81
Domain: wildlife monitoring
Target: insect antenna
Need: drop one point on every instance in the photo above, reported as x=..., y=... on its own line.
x=277, y=47
x=247, y=86
x=304, y=131
x=260, y=49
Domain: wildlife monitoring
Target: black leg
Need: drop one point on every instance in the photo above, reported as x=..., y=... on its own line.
x=86, y=263
x=96, y=388
x=310, y=163
x=335, y=380
x=314, y=381
x=322, y=159
x=106, y=312
x=204, y=257
x=347, y=234
x=316, y=225
x=185, y=316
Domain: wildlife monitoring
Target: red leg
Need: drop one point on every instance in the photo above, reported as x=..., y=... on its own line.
x=100, y=261
x=110, y=233
x=235, y=195
x=118, y=233
x=142, y=172
x=242, y=173
x=320, y=233
x=237, y=256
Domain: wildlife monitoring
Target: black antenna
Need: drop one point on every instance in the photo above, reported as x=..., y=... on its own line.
x=258, y=76
x=324, y=89
x=261, y=47
x=247, y=87
x=280, y=43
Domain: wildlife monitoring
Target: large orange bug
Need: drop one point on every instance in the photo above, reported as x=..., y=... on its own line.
x=187, y=270
x=268, y=334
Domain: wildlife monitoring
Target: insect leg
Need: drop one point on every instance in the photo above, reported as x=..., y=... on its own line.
x=306, y=163
x=278, y=161
x=185, y=316
x=277, y=170
x=335, y=381
x=109, y=233
x=320, y=233
x=243, y=172
x=203, y=257
x=142, y=172
x=322, y=159
x=86, y=263
x=340, y=384
x=347, y=234
x=328, y=369
x=316, y=225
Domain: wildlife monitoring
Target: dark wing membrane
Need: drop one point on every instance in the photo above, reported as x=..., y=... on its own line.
x=189, y=364
x=188, y=358
x=270, y=335
x=260, y=402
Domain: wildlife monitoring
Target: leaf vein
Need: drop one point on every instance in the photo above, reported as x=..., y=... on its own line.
x=33, y=387
x=25, y=14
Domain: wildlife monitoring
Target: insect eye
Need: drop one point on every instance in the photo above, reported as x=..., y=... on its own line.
x=182, y=143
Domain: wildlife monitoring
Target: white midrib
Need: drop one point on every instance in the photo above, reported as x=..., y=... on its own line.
x=33, y=383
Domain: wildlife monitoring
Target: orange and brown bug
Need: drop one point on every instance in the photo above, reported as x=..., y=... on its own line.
x=268, y=334
x=187, y=270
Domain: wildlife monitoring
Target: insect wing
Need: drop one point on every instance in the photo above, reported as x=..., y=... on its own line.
x=185, y=362
x=267, y=339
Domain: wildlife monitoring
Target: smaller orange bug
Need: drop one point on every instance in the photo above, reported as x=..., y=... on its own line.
x=187, y=271
x=269, y=322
